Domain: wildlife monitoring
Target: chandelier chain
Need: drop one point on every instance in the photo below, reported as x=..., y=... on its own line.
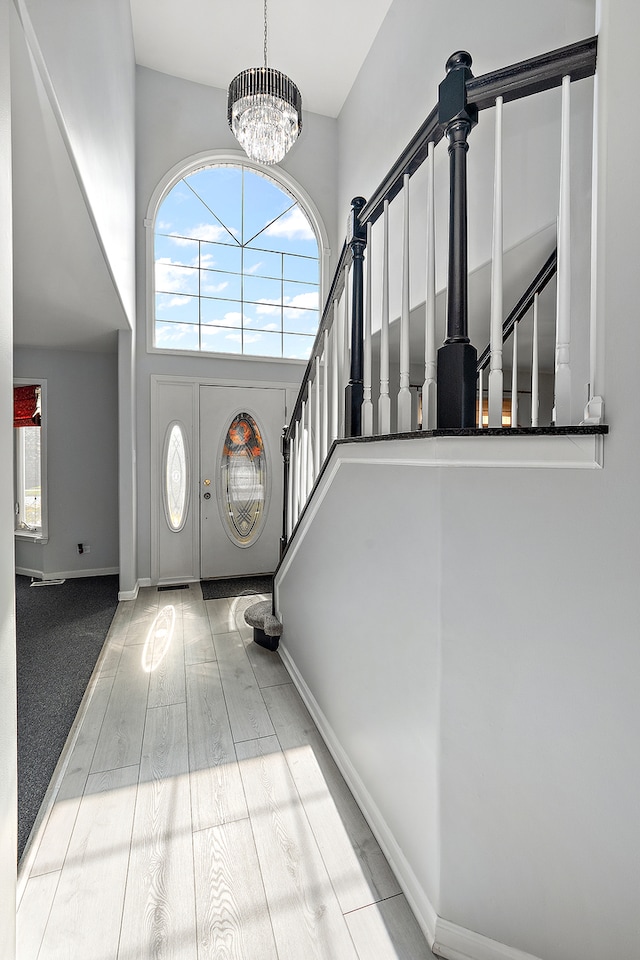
x=265, y=32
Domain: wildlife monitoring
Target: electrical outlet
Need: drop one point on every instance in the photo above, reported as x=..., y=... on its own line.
x=84, y=548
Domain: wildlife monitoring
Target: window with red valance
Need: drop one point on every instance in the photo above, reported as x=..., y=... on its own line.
x=27, y=411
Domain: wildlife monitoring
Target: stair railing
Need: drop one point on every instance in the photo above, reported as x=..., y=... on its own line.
x=336, y=396
x=526, y=305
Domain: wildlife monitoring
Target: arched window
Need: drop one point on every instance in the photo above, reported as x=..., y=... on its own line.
x=236, y=266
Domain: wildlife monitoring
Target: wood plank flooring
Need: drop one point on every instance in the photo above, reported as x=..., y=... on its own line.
x=197, y=814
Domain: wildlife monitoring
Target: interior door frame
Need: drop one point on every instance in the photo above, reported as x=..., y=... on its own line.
x=155, y=459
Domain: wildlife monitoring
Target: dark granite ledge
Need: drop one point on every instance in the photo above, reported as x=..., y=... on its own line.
x=578, y=430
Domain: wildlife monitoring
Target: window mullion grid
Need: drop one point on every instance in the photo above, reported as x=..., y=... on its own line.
x=282, y=304
x=200, y=295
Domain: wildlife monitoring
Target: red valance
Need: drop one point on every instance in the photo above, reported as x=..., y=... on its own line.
x=26, y=406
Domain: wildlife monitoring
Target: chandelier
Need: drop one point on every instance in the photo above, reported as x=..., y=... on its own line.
x=264, y=110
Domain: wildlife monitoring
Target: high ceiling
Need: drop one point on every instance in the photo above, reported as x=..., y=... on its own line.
x=321, y=45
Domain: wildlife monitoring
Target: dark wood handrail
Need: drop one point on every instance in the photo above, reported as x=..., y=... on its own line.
x=523, y=79
x=578, y=60
x=524, y=304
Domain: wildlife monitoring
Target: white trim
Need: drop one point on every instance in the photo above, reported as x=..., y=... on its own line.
x=416, y=897
x=237, y=158
x=78, y=574
x=156, y=500
x=457, y=943
x=28, y=572
x=129, y=594
x=562, y=452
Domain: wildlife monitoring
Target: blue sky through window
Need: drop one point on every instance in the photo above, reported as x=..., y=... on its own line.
x=236, y=267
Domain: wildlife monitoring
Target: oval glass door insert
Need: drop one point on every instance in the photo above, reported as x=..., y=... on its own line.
x=176, y=477
x=243, y=480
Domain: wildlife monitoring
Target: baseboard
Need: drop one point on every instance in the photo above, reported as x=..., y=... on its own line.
x=446, y=939
x=132, y=594
x=457, y=943
x=129, y=594
x=67, y=574
x=416, y=897
x=77, y=574
x=25, y=572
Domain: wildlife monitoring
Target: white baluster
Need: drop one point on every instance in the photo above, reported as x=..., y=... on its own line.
x=514, y=380
x=290, y=520
x=496, y=385
x=535, y=367
x=295, y=456
x=308, y=449
x=367, y=403
x=310, y=420
x=317, y=411
x=562, y=408
x=325, y=397
x=404, y=396
x=304, y=455
x=480, y=396
x=429, y=409
x=335, y=373
x=384, y=401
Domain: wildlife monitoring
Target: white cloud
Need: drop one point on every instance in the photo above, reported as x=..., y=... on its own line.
x=230, y=319
x=176, y=302
x=174, y=277
x=302, y=301
x=295, y=305
x=268, y=306
x=254, y=268
x=211, y=232
x=272, y=326
x=172, y=334
x=208, y=287
x=293, y=225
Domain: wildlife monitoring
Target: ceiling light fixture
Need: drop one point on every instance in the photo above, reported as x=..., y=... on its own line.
x=264, y=110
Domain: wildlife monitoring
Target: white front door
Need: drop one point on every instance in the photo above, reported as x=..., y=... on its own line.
x=240, y=480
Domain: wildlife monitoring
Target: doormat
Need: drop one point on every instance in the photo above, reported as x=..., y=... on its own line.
x=236, y=587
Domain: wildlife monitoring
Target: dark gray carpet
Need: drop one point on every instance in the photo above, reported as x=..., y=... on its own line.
x=60, y=631
x=236, y=587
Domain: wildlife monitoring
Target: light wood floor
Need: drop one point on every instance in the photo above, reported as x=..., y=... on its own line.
x=197, y=814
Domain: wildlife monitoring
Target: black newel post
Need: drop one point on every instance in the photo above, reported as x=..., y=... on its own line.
x=354, y=392
x=457, y=357
x=286, y=446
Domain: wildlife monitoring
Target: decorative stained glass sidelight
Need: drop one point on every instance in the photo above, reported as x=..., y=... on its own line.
x=243, y=480
x=176, y=477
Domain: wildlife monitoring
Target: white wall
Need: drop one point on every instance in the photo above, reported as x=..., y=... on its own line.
x=84, y=52
x=177, y=119
x=359, y=604
x=82, y=461
x=535, y=583
x=396, y=89
x=8, y=801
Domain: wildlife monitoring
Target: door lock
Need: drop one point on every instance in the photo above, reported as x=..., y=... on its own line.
x=207, y=496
